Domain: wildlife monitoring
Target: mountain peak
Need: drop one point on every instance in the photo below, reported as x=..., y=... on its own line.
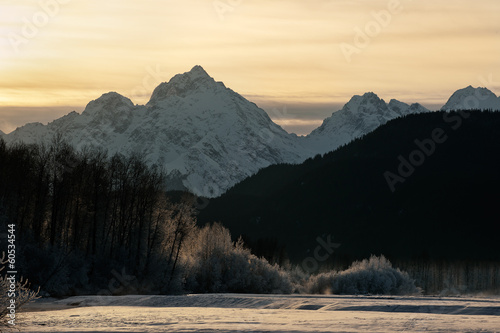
x=370, y=96
x=403, y=109
x=367, y=96
x=366, y=104
x=398, y=106
x=182, y=85
x=472, y=98
x=113, y=97
x=111, y=102
x=417, y=108
x=198, y=71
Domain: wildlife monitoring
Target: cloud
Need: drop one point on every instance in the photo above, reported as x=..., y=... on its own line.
x=299, y=118
x=13, y=117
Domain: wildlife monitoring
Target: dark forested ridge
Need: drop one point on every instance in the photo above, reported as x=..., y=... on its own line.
x=420, y=187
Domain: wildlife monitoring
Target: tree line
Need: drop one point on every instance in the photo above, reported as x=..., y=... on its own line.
x=84, y=216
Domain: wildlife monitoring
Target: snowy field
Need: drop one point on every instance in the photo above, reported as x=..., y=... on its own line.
x=262, y=313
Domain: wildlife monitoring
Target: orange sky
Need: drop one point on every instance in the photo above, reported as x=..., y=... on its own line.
x=287, y=56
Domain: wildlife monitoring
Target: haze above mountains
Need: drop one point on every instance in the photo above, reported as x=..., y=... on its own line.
x=208, y=137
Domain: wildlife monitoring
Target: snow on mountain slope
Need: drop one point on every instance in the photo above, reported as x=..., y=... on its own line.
x=208, y=137
x=102, y=123
x=403, y=109
x=215, y=137
x=473, y=98
x=205, y=135
x=361, y=115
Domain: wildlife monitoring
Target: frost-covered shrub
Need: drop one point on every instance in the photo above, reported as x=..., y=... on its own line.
x=298, y=278
x=219, y=265
x=321, y=283
x=21, y=295
x=370, y=276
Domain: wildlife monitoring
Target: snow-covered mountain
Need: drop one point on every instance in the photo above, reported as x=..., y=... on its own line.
x=473, y=98
x=208, y=137
x=361, y=115
x=205, y=135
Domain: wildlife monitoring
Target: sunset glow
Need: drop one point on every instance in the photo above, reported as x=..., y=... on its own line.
x=56, y=56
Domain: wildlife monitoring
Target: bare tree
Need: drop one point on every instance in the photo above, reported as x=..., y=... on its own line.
x=180, y=224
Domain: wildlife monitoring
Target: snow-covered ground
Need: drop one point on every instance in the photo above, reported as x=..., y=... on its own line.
x=262, y=313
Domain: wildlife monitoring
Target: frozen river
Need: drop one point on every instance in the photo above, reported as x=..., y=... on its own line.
x=262, y=313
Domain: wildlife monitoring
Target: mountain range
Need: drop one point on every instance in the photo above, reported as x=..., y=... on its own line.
x=208, y=137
